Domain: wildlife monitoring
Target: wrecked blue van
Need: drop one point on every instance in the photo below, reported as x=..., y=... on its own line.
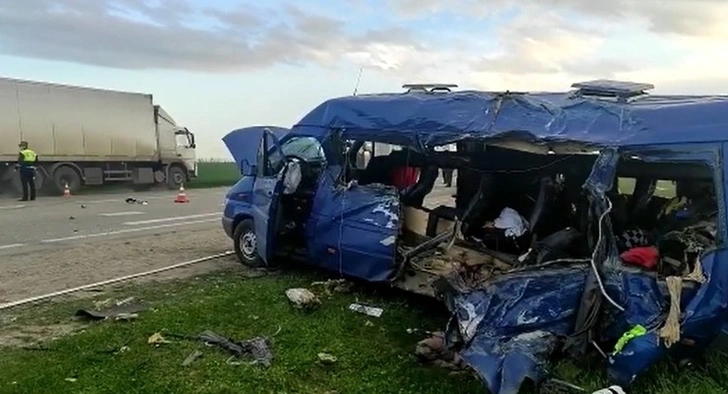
x=619, y=194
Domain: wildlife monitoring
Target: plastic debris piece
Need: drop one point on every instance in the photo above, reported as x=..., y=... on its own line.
x=258, y=347
x=156, y=339
x=326, y=358
x=634, y=332
x=367, y=310
x=191, y=358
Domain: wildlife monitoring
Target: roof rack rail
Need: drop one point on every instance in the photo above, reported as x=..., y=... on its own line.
x=621, y=91
x=429, y=87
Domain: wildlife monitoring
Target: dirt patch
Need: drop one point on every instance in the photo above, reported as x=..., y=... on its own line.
x=53, y=270
x=28, y=335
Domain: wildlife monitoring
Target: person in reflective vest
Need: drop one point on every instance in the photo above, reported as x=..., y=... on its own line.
x=27, y=161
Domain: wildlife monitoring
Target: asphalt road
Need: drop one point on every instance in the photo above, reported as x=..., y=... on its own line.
x=56, y=222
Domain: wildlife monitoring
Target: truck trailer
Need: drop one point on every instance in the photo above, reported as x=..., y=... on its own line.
x=91, y=137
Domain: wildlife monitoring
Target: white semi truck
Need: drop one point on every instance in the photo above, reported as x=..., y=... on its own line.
x=91, y=137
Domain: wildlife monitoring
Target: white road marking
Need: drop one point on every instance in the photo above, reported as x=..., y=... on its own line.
x=12, y=207
x=112, y=281
x=172, y=219
x=131, y=230
x=127, y=213
x=11, y=246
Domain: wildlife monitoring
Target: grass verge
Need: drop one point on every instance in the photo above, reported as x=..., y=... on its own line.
x=374, y=354
x=214, y=174
x=373, y=357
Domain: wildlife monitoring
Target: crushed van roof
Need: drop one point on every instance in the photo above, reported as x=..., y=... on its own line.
x=436, y=119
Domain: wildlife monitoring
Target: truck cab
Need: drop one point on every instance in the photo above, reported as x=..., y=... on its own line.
x=176, y=145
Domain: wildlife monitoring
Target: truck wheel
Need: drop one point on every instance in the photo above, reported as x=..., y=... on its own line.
x=176, y=176
x=246, y=244
x=67, y=175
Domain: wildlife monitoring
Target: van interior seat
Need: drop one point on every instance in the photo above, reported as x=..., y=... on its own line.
x=415, y=195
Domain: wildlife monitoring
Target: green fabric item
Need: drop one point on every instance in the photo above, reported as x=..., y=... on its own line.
x=636, y=331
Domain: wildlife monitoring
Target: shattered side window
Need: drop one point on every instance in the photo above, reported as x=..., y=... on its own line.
x=663, y=188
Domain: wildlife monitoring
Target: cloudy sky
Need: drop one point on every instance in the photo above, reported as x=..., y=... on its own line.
x=216, y=65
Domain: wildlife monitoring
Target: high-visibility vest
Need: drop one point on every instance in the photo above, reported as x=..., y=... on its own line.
x=28, y=155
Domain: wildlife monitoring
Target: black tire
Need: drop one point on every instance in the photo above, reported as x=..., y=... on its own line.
x=67, y=175
x=243, y=235
x=176, y=176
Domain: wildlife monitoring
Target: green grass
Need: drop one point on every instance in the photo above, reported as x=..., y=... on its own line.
x=373, y=357
x=215, y=174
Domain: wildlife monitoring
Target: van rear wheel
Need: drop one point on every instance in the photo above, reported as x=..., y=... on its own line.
x=246, y=244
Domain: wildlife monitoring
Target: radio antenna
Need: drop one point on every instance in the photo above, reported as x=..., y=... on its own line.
x=358, y=80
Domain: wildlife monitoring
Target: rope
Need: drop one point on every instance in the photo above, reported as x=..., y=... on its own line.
x=670, y=332
x=697, y=274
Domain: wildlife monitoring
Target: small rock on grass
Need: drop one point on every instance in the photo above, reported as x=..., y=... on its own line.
x=303, y=298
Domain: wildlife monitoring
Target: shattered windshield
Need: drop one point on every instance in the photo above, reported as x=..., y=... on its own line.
x=306, y=148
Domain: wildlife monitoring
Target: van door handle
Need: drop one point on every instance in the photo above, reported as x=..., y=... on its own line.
x=270, y=193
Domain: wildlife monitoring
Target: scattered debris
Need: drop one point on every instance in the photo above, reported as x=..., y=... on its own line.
x=258, y=347
x=412, y=330
x=191, y=358
x=334, y=286
x=122, y=311
x=72, y=380
x=435, y=351
x=71, y=218
x=367, y=310
x=326, y=358
x=132, y=200
x=369, y=323
x=157, y=339
x=123, y=349
x=83, y=206
x=303, y=298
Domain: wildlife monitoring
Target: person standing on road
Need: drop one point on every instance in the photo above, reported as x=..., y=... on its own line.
x=27, y=160
x=447, y=172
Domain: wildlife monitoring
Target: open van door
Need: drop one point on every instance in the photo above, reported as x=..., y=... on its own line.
x=270, y=170
x=244, y=144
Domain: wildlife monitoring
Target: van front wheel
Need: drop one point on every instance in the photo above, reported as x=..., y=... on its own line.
x=246, y=244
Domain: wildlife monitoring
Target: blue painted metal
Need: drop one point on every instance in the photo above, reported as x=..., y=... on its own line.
x=267, y=191
x=243, y=144
x=437, y=119
x=238, y=204
x=511, y=324
x=353, y=230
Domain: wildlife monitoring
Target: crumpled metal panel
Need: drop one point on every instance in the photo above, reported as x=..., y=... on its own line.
x=354, y=230
x=437, y=119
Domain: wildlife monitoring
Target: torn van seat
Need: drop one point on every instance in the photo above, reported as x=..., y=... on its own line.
x=415, y=195
x=377, y=171
x=497, y=237
x=644, y=190
x=468, y=214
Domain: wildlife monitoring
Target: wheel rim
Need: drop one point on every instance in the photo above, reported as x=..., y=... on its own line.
x=177, y=178
x=248, y=244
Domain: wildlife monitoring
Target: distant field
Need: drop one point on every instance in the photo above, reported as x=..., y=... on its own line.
x=215, y=174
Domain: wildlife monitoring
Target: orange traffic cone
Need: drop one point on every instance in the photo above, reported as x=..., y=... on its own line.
x=66, y=191
x=181, y=196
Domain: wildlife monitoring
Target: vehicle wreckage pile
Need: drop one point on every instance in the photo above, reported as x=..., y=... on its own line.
x=578, y=266
x=512, y=312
